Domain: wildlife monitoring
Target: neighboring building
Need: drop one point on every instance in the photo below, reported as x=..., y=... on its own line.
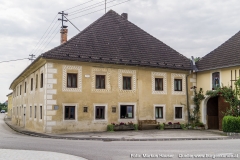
x=112, y=71
x=9, y=104
x=221, y=66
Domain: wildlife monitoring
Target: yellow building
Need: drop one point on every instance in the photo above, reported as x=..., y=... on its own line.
x=219, y=67
x=111, y=72
x=9, y=104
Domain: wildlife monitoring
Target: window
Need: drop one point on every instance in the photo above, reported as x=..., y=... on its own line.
x=159, y=112
x=25, y=87
x=100, y=112
x=177, y=84
x=41, y=85
x=72, y=80
x=127, y=83
x=36, y=81
x=35, y=112
x=178, y=112
x=100, y=81
x=85, y=109
x=158, y=84
x=215, y=80
x=126, y=111
x=40, y=112
x=20, y=89
x=69, y=112
x=31, y=84
x=30, y=111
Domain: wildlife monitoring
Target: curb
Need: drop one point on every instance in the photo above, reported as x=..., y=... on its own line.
x=40, y=135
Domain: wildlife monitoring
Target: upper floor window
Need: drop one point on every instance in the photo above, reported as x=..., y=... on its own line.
x=41, y=83
x=158, y=84
x=127, y=83
x=100, y=81
x=25, y=87
x=177, y=84
x=215, y=80
x=20, y=89
x=72, y=80
x=31, y=84
x=36, y=81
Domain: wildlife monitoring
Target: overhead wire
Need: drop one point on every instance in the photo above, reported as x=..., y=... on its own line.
x=99, y=10
x=82, y=10
x=52, y=38
x=33, y=51
x=14, y=60
x=78, y=5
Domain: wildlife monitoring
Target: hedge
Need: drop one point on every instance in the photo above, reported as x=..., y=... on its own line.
x=231, y=124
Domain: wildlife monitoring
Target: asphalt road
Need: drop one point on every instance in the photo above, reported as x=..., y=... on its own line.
x=119, y=150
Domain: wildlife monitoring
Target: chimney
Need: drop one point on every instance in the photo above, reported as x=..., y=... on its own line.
x=63, y=32
x=124, y=15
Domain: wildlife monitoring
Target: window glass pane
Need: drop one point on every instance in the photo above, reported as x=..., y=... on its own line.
x=215, y=80
x=129, y=111
x=66, y=112
x=74, y=80
x=72, y=112
x=69, y=80
x=179, y=85
x=175, y=85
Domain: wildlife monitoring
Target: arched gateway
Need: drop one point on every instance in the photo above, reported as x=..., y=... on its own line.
x=213, y=112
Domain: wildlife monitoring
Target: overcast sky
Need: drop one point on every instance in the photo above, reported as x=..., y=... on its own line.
x=192, y=27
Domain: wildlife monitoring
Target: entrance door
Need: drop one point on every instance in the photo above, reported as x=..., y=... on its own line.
x=212, y=113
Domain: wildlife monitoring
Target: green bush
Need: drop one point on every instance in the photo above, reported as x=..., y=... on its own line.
x=110, y=128
x=231, y=124
x=161, y=126
x=135, y=127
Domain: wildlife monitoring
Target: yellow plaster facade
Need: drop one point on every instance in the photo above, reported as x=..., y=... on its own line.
x=204, y=81
x=9, y=105
x=54, y=96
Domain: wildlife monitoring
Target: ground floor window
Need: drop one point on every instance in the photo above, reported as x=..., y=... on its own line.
x=30, y=111
x=40, y=112
x=69, y=112
x=159, y=112
x=35, y=112
x=126, y=111
x=178, y=112
x=100, y=112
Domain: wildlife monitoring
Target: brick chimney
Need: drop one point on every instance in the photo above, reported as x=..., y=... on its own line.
x=63, y=32
x=124, y=15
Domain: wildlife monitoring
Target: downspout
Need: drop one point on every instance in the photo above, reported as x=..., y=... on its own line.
x=188, y=109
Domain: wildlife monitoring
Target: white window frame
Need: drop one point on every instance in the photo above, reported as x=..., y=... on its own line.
x=179, y=76
x=76, y=111
x=164, y=112
x=183, y=115
x=220, y=81
x=134, y=110
x=164, y=77
x=105, y=113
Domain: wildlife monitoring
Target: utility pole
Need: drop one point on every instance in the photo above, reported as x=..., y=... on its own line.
x=32, y=56
x=63, y=15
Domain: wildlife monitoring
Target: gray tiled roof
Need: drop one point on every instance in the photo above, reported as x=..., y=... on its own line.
x=226, y=55
x=113, y=39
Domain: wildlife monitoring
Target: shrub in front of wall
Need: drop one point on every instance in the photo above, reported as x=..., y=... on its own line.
x=231, y=124
x=110, y=128
x=135, y=127
x=161, y=126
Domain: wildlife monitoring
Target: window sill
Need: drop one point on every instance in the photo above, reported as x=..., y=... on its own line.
x=35, y=119
x=40, y=120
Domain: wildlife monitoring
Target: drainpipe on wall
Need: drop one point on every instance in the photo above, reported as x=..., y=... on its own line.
x=188, y=110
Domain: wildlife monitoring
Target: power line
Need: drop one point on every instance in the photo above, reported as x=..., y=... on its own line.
x=51, y=39
x=78, y=5
x=14, y=60
x=81, y=10
x=43, y=34
x=100, y=10
x=48, y=34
